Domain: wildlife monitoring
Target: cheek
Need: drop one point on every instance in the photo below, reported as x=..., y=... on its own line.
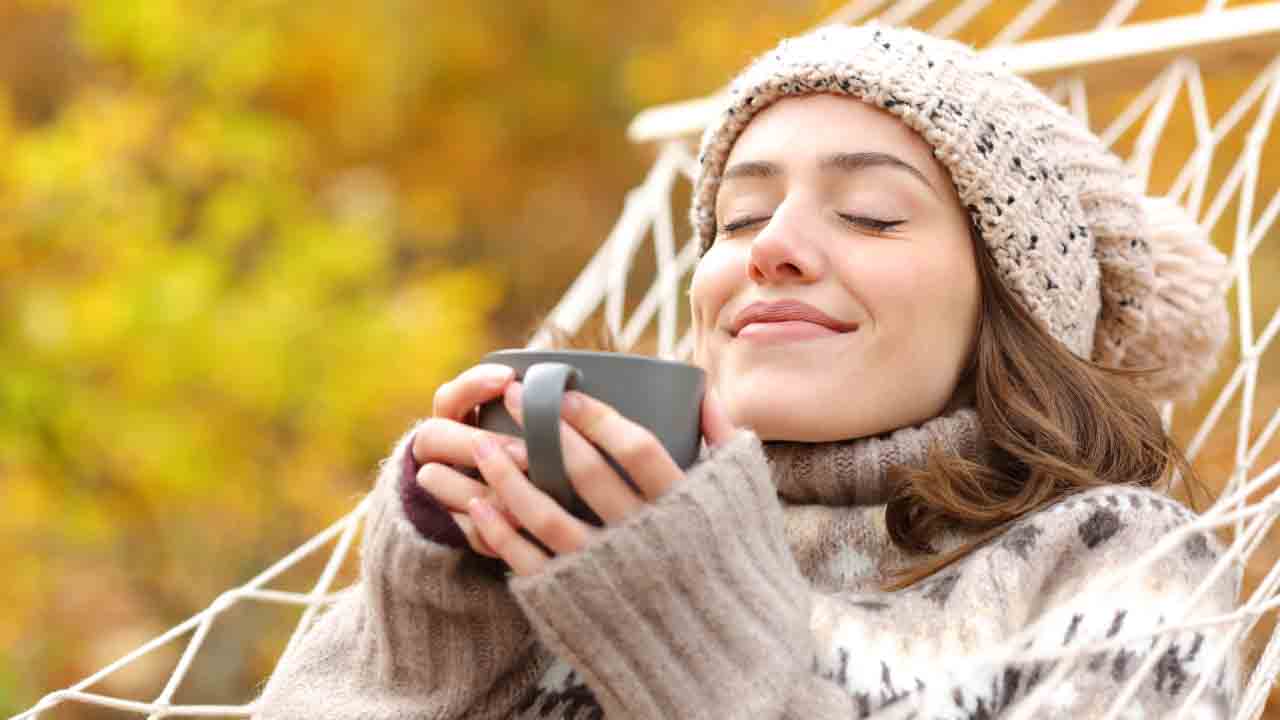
x=716, y=278
x=914, y=292
x=885, y=284
x=951, y=285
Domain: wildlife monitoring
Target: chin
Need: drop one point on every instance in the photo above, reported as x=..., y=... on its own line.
x=774, y=415
x=809, y=415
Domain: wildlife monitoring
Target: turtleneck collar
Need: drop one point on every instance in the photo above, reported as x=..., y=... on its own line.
x=834, y=496
x=854, y=472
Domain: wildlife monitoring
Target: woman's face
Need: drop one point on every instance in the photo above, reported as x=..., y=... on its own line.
x=837, y=204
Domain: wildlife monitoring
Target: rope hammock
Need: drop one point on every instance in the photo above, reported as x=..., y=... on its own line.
x=1149, y=85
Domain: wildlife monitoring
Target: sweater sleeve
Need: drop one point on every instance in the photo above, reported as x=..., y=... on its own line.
x=424, y=512
x=430, y=630
x=692, y=607
x=695, y=608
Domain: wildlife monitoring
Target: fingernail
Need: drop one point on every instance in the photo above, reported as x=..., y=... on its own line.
x=500, y=372
x=514, y=392
x=484, y=447
x=572, y=402
x=516, y=450
x=481, y=510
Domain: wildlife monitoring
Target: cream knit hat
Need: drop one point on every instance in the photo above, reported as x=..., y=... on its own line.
x=1116, y=276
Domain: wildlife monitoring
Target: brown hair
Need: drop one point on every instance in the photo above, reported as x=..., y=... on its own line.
x=1053, y=425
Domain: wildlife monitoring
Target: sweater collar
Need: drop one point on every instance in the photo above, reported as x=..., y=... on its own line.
x=855, y=471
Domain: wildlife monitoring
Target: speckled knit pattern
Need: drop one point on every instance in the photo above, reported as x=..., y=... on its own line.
x=1070, y=232
x=721, y=601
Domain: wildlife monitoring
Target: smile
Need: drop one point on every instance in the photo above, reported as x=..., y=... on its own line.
x=786, y=331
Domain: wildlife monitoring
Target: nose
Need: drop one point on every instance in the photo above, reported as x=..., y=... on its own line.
x=781, y=252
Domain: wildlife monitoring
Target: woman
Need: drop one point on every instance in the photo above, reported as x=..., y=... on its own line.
x=907, y=254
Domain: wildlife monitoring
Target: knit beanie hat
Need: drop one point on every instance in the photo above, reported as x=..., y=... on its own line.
x=1116, y=276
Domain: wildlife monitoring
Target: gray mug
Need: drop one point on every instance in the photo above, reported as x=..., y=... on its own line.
x=661, y=395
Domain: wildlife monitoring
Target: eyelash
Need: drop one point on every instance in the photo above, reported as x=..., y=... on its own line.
x=874, y=224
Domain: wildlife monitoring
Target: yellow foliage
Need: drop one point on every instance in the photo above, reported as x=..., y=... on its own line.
x=435, y=212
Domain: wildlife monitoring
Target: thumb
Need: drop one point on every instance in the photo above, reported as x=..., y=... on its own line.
x=716, y=426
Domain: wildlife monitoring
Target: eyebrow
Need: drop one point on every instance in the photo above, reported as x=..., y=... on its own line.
x=842, y=161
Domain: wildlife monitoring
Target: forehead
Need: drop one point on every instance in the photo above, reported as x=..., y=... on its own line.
x=796, y=131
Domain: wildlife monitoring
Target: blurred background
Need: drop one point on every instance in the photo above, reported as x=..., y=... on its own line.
x=242, y=242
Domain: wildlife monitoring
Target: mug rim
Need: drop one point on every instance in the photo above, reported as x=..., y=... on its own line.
x=619, y=356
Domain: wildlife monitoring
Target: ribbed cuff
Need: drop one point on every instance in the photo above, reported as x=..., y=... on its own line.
x=428, y=631
x=426, y=514
x=693, y=607
x=411, y=534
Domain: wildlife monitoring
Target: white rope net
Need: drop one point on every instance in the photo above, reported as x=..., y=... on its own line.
x=1190, y=100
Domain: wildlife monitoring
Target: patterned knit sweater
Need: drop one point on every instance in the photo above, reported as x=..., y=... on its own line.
x=724, y=600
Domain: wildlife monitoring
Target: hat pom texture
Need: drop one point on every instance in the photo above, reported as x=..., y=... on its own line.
x=1117, y=277
x=1187, y=318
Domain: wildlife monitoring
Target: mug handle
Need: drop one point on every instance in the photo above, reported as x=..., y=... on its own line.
x=544, y=387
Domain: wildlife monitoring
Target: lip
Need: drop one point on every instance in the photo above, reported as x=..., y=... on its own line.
x=785, y=311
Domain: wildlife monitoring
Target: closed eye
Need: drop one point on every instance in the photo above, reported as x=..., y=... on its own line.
x=739, y=224
x=870, y=223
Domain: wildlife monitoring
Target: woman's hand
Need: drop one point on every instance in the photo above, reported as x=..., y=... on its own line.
x=585, y=420
x=444, y=441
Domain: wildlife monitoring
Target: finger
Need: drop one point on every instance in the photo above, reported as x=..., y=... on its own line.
x=533, y=509
x=716, y=425
x=475, y=386
x=453, y=489
x=523, y=556
x=440, y=440
x=593, y=479
x=636, y=450
x=474, y=538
